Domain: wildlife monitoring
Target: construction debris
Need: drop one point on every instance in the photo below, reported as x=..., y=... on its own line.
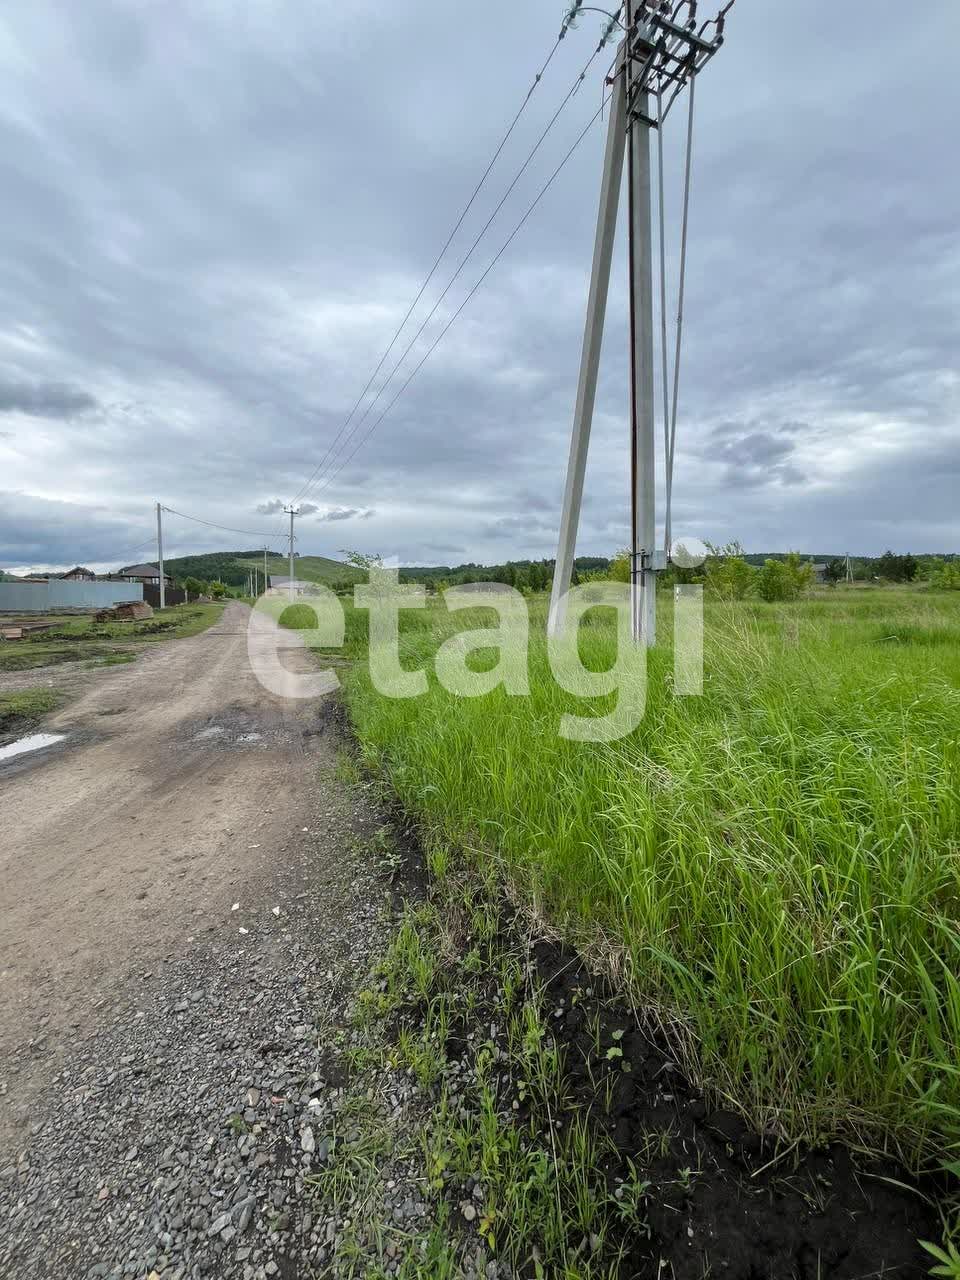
x=127, y=611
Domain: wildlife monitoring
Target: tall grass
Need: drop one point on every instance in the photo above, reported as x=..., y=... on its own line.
x=775, y=865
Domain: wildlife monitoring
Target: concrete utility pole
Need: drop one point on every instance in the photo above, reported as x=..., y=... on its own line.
x=590, y=356
x=163, y=594
x=291, y=512
x=662, y=50
x=265, y=579
x=643, y=475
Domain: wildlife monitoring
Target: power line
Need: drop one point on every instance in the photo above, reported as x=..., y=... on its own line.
x=151, y=542
x=568, y=21
x=253, y=533
x=503, y=248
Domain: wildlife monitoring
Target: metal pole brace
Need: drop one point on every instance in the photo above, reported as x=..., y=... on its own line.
x=647, y=562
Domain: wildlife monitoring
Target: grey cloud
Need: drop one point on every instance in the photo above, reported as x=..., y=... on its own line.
x=345, y=513
x=755, y=449
x=44, y=400
x=222, y=293
x=276, y=506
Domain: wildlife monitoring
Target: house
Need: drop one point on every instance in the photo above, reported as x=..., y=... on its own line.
x=292, y=586
x=819, y=572
x=148, y=574
x=79, y=573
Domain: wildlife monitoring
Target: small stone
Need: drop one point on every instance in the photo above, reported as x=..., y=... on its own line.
x=307, y=1141
x=469, y=1212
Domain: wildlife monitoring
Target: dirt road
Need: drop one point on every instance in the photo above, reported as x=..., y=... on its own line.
x=176, y=778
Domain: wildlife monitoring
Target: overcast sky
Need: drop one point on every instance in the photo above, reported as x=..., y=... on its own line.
x=215, y=215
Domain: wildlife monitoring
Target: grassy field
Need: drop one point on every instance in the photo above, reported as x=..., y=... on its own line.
x=81, y=639
x=772, y=868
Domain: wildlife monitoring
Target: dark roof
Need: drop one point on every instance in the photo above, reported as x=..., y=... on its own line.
x=141, y=571
x=77, y=568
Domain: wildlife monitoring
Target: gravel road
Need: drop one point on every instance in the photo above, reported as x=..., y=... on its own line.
x=190, y=897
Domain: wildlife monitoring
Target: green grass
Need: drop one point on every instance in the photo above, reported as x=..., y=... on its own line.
x=81, y=639
x=772, y=869
x=297, y=617
x=20, y=711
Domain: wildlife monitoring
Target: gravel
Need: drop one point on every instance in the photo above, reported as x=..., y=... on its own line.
x=180, y=1139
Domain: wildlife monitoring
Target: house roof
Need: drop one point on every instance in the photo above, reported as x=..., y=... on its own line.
x=77, y=568
x=142, y=571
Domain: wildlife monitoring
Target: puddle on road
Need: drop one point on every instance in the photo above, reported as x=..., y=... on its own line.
x=33, y=742
x=228, y=736
x=214, y=731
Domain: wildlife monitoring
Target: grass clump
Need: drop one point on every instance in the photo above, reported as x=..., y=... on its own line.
x=773, y=867
x=20, y=711
x=297, y=617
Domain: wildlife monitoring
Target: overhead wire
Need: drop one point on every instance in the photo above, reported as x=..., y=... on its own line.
x=685, y=223
x=253, y=533
x=664, y=372
x=500, y=252
x=462, y=264
x=568, y=20
x=150, y=542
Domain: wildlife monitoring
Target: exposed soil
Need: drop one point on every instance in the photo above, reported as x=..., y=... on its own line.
x=750, y=1207
x=722, y=1199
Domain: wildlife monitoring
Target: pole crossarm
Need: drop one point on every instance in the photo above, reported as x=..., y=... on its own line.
x=666, y=50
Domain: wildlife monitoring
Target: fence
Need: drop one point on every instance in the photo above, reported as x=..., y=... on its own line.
x=46, y=597
x=172, y=595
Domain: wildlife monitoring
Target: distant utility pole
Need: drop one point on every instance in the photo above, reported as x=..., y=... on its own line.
x=163, y=594
x=264, y=569
x=849, y=569
x=291, y=512
x=661, y=53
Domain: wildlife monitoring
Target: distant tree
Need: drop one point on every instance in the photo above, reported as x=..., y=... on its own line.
x=619, y=570
x=727, y=573
x=193, y=586
x=947, y=577
x=929, y=566
x=217, y=590
x=896, y=568
x=361, y=560
x=835, y=571
x=785, y=579
x=888, y=566
x=772, y=583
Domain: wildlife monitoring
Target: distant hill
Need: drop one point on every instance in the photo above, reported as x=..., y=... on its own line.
x=306, y=568
x=231, y=567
